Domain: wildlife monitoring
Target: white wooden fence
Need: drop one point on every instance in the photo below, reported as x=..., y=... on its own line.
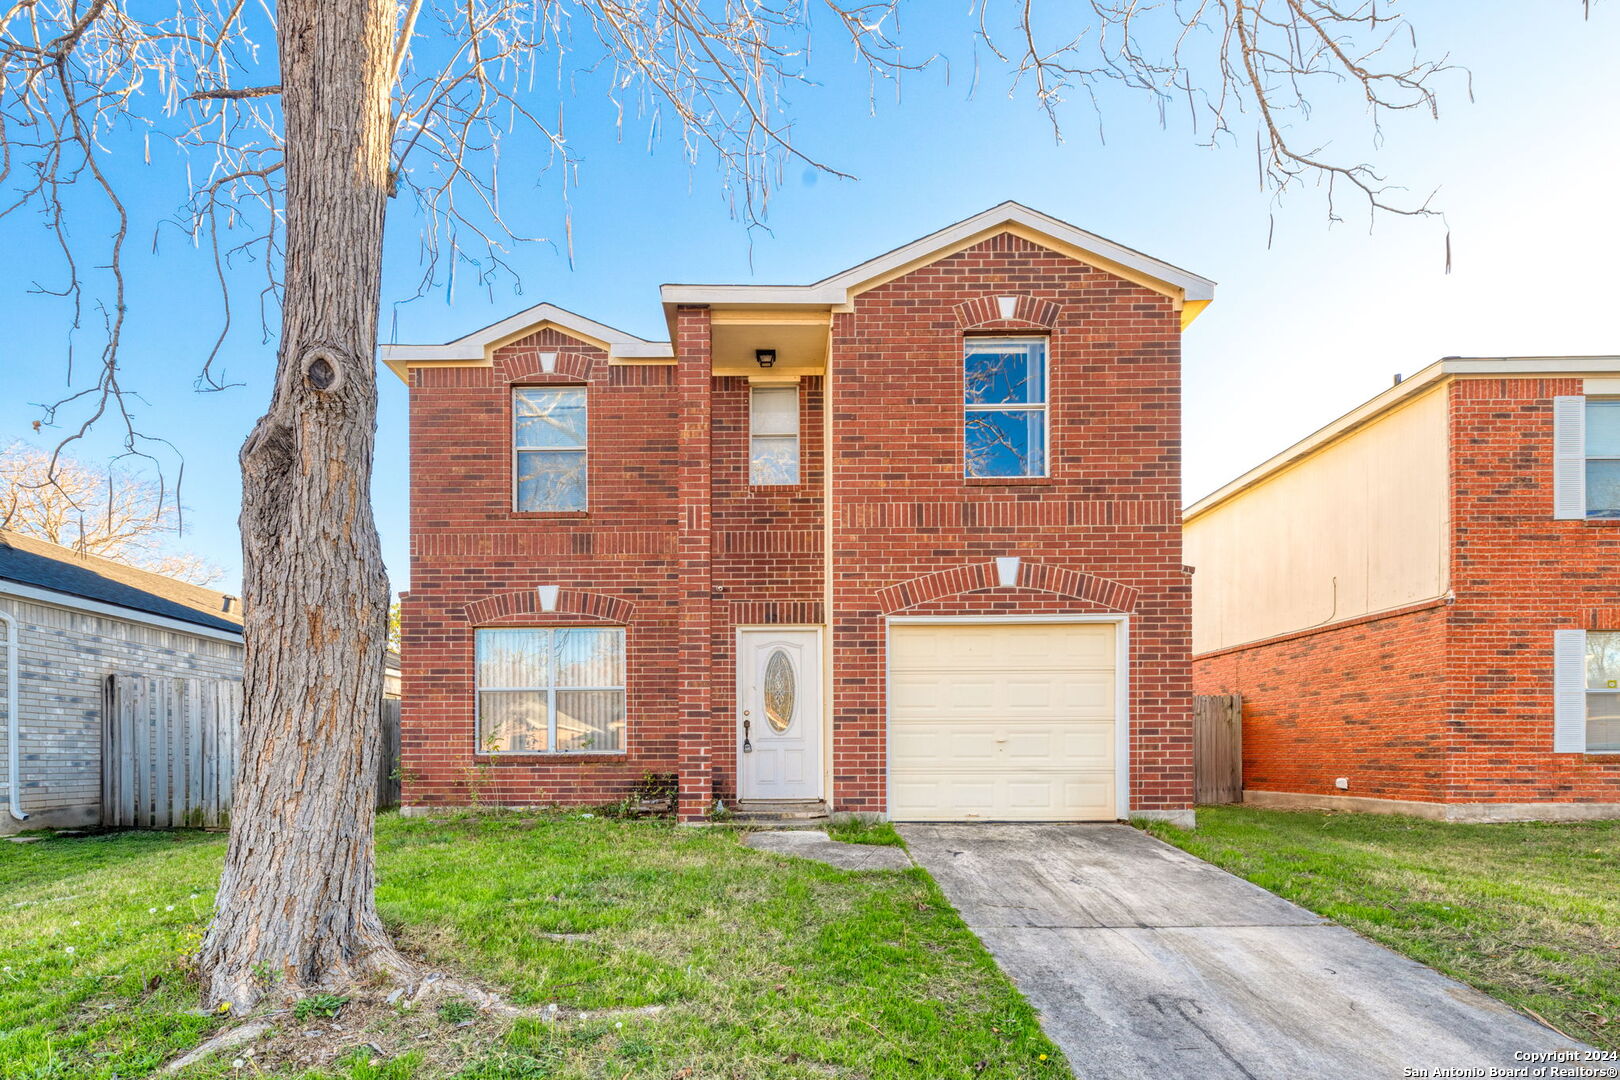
x=168, y=751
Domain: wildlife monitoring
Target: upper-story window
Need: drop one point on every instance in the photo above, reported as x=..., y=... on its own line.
x=1004, y=401
x=1602, y=457
x=773, y=435
x=548, y=445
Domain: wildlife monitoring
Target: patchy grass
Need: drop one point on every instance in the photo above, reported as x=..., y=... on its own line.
x=1527, y=913
x=766, y=967
x=856, y=831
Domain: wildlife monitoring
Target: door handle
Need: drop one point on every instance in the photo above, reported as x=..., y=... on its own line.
x=748, y=747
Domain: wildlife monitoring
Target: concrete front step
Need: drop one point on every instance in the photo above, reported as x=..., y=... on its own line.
x=796, y=811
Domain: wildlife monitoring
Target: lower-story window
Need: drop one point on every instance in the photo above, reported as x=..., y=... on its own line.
x=1603, y=691
x=550, y=690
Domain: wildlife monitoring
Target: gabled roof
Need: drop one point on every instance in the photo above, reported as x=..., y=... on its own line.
x=1393, y=397
x=1193, y=291
x=474, y=348
x=44, y=565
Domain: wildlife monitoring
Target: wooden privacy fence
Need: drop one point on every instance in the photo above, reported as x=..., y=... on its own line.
x=1218, y=747
x=169, y=746
x=388, y=761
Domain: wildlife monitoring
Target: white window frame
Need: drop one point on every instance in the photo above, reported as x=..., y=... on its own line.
x=754, y=433
x=1586, y=455
x=479, y=690
x=973, y=344
x=1589, y=691
x=517, y=450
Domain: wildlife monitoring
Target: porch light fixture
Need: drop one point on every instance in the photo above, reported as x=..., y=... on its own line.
x=765, y=357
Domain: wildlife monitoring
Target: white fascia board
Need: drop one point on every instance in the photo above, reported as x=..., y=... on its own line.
x=1410, y=387
x=34, y=594
x=836, y=289
x=473, y=346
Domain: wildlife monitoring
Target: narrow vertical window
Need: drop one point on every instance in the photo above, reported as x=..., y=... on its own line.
x=1004, y=403
x=1602, y=458
x=548, y=435
x=1602, y=692
x=773, y=435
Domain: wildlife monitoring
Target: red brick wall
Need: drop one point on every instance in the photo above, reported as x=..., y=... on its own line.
x=467, y=544
x=1364, y=701
x=768, y=544
x=1452, y=704
x=1518, y=575
x=678, y=544
x=902, y=508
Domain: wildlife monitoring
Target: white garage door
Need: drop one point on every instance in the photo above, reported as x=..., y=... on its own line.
x=1002, y=722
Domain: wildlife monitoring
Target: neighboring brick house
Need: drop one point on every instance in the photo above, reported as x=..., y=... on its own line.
x=1420, y=603
x=902, y=542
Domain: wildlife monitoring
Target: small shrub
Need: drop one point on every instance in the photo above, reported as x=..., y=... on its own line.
x=456, y=1011
x=328, y=1005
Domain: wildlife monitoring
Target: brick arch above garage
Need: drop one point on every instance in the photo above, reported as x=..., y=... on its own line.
x=981, y=576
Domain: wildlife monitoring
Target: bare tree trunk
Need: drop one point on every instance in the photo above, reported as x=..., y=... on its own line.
x=295, y=904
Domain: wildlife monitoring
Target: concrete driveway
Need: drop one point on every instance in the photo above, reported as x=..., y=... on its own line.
x=1147, y=962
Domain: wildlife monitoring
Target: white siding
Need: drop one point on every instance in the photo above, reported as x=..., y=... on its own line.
x=64, y=656
x=1356, y=528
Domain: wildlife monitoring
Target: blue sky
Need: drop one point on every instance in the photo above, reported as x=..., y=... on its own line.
x=1309, y=319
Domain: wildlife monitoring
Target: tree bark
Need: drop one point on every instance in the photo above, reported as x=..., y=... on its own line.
x=295, y=909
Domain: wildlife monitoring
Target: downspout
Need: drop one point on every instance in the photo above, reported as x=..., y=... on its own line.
x=13, y=725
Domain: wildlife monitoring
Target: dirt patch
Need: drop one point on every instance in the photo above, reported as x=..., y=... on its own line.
x=371, y=1028
x=444, y=1023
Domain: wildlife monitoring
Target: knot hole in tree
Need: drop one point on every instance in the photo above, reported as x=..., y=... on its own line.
x=322, y=371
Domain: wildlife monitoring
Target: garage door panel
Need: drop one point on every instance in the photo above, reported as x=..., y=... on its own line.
x=1004, y=647
x=1002, y=722
x=972, y=796
x=1058, y=693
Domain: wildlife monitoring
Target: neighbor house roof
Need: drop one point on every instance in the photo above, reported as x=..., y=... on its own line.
x=1400, y=393
x=1191, y=292
x=43, y=565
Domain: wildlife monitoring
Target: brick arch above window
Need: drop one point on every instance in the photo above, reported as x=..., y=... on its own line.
x=1028, y=312
x=525, y=367
x=595, y=605
x=1041, y=577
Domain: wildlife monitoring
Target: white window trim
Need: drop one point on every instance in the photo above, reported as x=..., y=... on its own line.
x=479, y=690
x=1587, y=456
x=584, y=451
x=795, y=434
x=1586, y=729
x=1044, y=407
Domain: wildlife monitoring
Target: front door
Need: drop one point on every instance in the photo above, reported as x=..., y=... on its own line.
x=779, y=714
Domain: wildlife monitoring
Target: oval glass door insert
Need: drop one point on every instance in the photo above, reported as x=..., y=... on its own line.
x=780, y=690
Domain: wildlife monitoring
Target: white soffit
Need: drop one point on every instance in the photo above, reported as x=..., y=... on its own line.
x=838, y=288
x=473, y=347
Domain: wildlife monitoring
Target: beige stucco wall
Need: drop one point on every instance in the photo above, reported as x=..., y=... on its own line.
x=1355, y=528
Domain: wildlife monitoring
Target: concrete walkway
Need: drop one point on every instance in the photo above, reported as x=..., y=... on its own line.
x=1146, y=962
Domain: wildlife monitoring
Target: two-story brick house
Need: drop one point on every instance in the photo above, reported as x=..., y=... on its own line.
x=905, y=541
x=1420, y=602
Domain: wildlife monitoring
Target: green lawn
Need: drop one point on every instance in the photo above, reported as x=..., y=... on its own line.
x=766, y=966
x=1528, y=913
